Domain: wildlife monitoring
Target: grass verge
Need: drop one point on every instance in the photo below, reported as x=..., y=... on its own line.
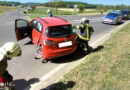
x=104, y=69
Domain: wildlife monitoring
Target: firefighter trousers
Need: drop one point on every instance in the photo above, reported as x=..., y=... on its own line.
x=85, y=44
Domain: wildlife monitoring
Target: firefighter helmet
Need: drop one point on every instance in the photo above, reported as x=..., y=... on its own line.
x=84, y=20
x=10, y=49
x=48, y=11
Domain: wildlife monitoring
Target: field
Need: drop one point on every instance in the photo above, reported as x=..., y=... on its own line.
x=7, y=8
x=42, y=11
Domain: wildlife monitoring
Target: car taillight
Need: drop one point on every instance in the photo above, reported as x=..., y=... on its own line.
x=49, y=42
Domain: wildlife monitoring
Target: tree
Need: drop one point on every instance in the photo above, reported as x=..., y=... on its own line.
x=57, y=3
x=81, y=8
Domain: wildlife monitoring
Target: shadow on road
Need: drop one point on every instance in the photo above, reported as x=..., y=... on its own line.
x=22, y=84
x=70, y=58
x=60, y=86
x=28, y=43
x=75, y=56
x=122, y=22
x=98, y=48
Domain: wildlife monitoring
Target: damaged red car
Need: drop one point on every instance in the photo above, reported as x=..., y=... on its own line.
x=53, y=35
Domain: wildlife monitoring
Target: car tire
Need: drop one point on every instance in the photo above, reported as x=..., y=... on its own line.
x=103, y=23
x=44, y=61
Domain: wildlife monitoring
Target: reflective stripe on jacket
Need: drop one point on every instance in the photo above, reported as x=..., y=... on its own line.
x=86, y=31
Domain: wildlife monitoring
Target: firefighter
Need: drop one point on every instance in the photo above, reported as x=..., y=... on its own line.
x=86, y=31
x=7, y=52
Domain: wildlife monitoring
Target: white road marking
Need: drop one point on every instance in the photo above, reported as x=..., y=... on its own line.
x=76, y=20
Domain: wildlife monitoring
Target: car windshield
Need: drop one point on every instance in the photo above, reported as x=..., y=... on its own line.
x=112, y=14
x=59, y=31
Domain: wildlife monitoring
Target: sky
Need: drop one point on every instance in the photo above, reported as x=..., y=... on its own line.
x=105, y=2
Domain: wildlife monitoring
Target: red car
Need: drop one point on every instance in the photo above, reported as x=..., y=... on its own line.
x=53, y=35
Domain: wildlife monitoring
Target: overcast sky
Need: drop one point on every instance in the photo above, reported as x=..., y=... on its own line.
x=105, y=2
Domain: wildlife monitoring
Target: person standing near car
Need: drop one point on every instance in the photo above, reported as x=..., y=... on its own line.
x=86, y=30
x=49, y=13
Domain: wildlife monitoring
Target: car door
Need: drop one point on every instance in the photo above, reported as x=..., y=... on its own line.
x=22, y=29
x=36, y=31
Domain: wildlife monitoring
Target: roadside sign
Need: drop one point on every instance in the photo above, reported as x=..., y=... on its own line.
x=75, y=8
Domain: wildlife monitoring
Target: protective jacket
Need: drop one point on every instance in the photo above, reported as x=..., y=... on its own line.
x=86, y=31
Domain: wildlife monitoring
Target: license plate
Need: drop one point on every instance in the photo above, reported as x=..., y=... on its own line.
x=64, y=44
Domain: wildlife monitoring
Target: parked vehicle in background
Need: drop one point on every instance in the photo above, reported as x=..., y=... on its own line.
x=125, y=14
x=53, y=35
x=113, y=17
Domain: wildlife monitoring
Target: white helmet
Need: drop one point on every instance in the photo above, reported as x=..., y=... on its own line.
x=2, y=55
x=84, y=20
x=48, y=10
x=10, y=49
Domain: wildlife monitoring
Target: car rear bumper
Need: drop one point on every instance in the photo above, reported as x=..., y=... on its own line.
x=50, y=54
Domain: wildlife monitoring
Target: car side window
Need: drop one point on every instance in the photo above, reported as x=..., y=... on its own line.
x=33, y=24
x=22, y=23
x=37, y=25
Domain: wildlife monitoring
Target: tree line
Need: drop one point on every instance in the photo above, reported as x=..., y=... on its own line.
x=5, y=3
x=68, y=4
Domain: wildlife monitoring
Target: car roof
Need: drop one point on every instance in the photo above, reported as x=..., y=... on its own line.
x=53, y=21
x=115, y=12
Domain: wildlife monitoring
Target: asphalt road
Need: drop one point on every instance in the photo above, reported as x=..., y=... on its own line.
x=25, y=69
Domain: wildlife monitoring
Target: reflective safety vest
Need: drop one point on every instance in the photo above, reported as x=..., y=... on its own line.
x=86, y=31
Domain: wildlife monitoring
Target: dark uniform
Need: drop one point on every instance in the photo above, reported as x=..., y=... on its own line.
x=50, y=14
x=86, y=31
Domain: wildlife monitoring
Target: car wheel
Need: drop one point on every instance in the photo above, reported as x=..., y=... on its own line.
x=44, y=61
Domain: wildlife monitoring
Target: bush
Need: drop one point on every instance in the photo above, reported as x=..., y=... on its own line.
x=81, y=8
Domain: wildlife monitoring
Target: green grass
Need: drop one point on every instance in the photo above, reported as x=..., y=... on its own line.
x=42, y=11
x=90, y=12
x=104, y=69
x=8, y=8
